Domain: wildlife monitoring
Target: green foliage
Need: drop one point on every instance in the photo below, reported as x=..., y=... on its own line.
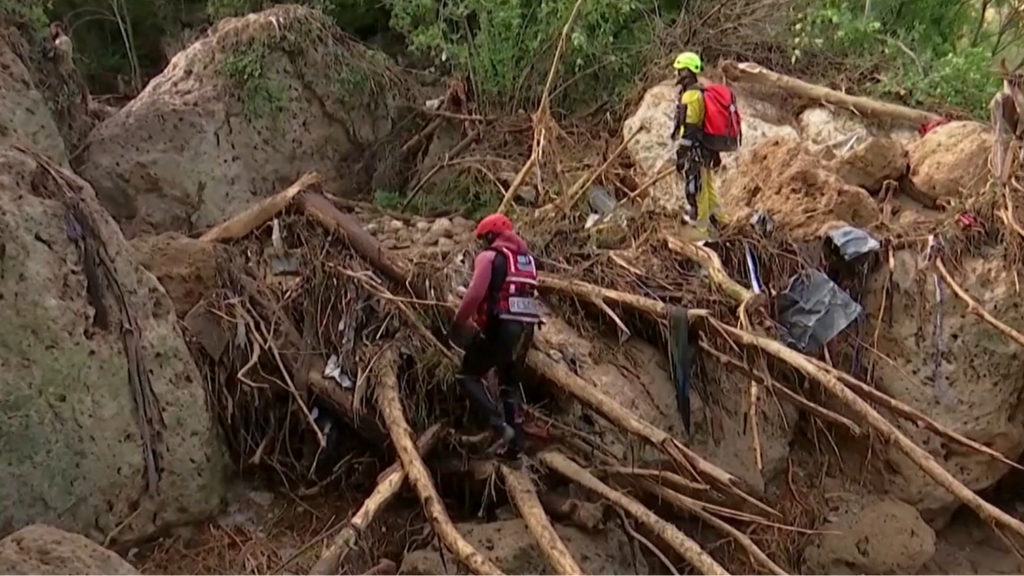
x=219, y=9
x=463, y=196
x=30, y=13
x=261, y=96
x=505, y=46
x=929, y=53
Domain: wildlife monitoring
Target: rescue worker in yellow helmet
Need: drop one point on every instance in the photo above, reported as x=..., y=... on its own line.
x=698, y=150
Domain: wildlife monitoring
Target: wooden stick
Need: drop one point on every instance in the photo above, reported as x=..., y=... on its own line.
x=710, y=261
x=974, y=308
x=390, y=406
x=682, y=456
x=388, y=485
x=828, y=378
x=657, y=476
x=796, y=399
x=672, y=536
x=524, y=497
x=543, y=114
x=750, y=73
x=691, y=506
x=569, y=199
x=253, y=217
x=451, y=155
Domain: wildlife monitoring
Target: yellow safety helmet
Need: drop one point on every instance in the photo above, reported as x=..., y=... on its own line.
x=688, y=61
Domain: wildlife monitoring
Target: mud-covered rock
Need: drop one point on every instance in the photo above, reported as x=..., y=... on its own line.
x=510, y=545
x=185, y=267
x=24, y=115
x=829, y=126
x=798, y=189
x=241, y=114
x=653, y=149
x=976, y=387
x=70, y=444
x=951, y=160
x=39, y=549
x=870, y=163
x=871, y=537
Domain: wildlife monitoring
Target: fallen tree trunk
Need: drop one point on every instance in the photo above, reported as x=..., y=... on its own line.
x=524, y=497
x=388, y=485
x=244, y=222
x=750, y=73
x=672, y=536
x=390, y=406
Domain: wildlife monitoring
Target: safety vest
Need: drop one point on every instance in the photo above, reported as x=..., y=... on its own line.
x=515, y=298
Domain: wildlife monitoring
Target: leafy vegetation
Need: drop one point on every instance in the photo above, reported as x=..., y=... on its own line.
x=929, y=53
x=933, y=53
x=262, y=97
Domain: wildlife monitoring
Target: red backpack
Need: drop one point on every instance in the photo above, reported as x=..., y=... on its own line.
x=722, y=129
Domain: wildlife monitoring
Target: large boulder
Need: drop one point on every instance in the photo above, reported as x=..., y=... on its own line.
x=975, y=388
x=951, y=161
x=871, y=537
x=24, y=115
x=71, y=452
x=653, y=148
x=39, y=549
x=241, y=114
x=510, y=545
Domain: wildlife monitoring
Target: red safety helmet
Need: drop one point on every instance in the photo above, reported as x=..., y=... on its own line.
x=493, y=224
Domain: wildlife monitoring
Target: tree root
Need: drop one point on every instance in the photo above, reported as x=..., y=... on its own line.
x=388, y=484
x=688, y=506
x=974, y=308
x=390, y=407
x=679, y=542
x=524, y=497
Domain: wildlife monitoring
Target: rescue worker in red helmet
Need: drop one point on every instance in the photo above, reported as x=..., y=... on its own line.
x=500, y=304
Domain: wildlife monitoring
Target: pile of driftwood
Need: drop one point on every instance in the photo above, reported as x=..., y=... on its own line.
x=411, y=303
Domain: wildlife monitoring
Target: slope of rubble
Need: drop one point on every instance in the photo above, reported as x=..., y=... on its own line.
x=249, y=305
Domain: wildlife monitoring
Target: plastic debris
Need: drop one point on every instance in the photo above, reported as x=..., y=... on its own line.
x=334, y=372
x=814, y=310
x=853, y=242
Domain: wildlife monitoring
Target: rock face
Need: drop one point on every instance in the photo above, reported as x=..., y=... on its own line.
x=951, y=159
x=24, y=116
x=881, y=537
x=511, y=546
x=241, y=114
x=39, y=549
x=978, y=389
x=70, y=445
x=652, y=149
x=870, y=163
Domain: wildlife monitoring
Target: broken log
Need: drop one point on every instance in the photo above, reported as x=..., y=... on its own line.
x=710, y=261
x=524, y=498
x=390, y=406
x=750, y=73
x=671, y=535
x=388, y=485
x=253, y=217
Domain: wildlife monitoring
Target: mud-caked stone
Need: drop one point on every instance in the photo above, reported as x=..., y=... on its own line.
x=39, y=549
x=71, y=451
x=511, y=546
x=879, y=537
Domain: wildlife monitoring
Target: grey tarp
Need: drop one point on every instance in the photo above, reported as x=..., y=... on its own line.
x=813, y=310
x=853, y=242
